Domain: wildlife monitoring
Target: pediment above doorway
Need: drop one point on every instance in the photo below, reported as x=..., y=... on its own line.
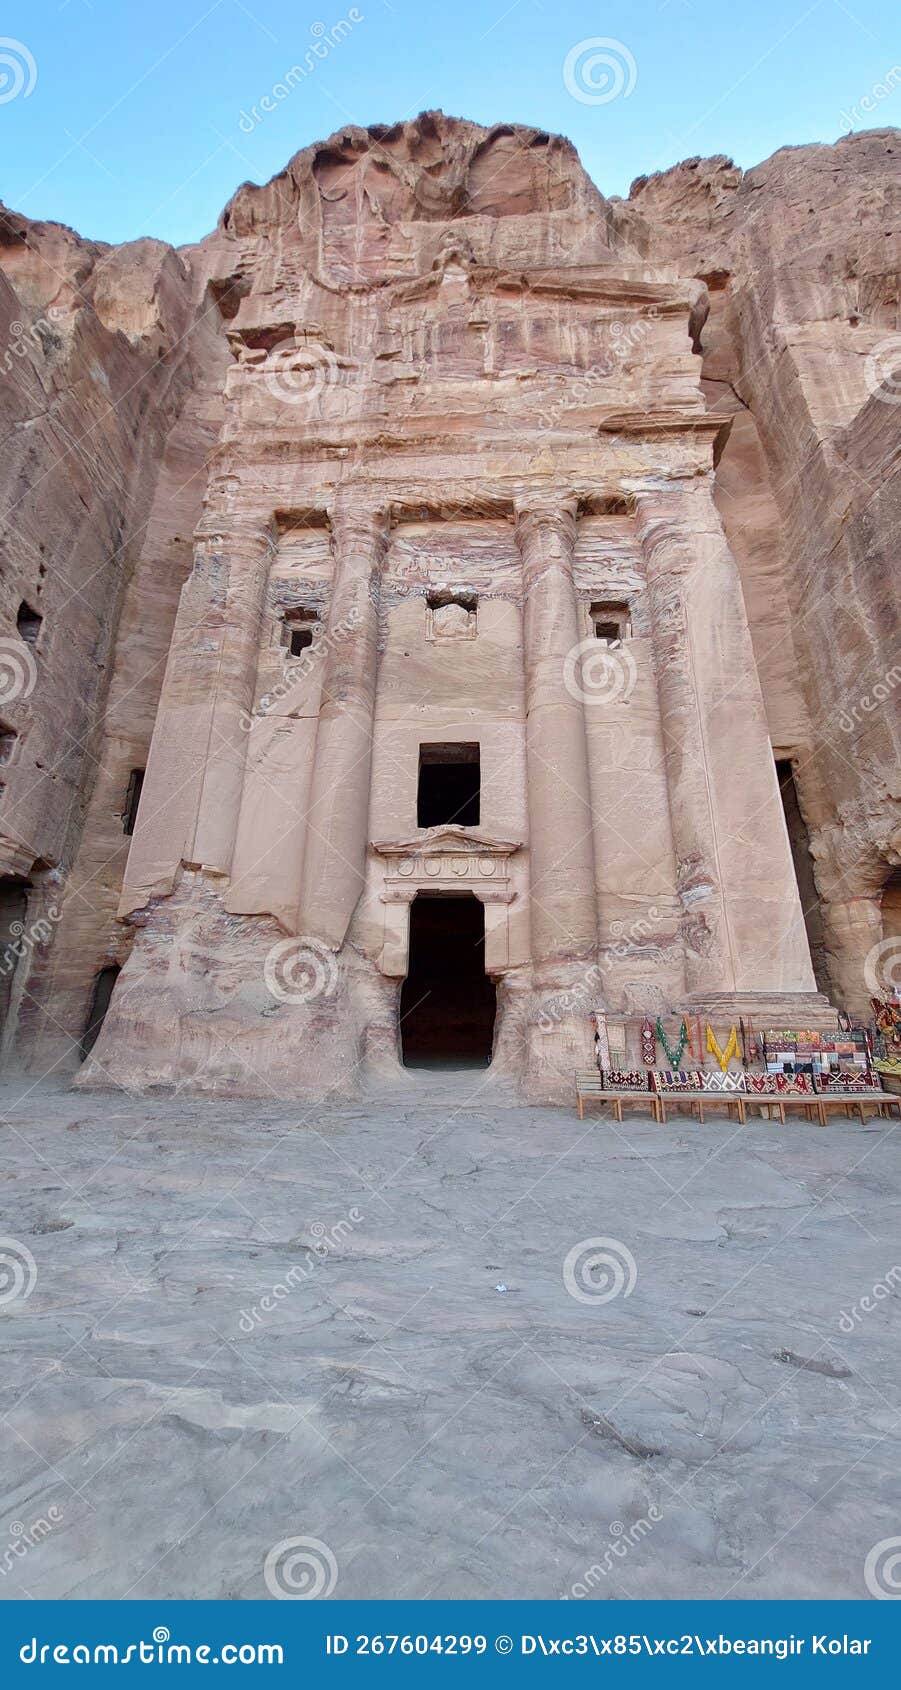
x=447, y=859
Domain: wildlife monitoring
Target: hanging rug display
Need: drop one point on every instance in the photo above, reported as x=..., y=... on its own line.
x=673, y=1057
x=648, y=1046
x=722, y=1056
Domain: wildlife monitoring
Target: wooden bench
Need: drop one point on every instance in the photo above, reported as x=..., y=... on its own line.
x=697, y=1098
x=778, y=1102
x=730, y=1102
x=589, y=1089
x=883, y=1103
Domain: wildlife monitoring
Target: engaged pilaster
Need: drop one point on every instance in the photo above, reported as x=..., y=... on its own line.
x=742, y=920
x=338, y=816
x=563, y=897
x=195, y=771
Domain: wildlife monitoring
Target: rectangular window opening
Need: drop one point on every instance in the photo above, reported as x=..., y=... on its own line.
x=610, y=621
x=297, y=630
x=449, y=789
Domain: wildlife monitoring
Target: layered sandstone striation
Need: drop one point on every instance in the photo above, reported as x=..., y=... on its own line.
x=431, y=400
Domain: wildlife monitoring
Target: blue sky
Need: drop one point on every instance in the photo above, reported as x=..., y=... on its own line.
x=133, y=124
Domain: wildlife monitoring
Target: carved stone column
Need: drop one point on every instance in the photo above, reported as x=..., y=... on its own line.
x=195, y=770
x=338, y=816
x=742, y=921
x=563, y=898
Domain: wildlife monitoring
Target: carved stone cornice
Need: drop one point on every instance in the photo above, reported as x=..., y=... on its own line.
x=447, y=859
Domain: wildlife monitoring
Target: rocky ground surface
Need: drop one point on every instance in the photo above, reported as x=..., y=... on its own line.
x=455, y=1393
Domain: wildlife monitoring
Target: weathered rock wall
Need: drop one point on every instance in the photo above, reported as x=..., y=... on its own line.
x=803, y=259
x=100, y=354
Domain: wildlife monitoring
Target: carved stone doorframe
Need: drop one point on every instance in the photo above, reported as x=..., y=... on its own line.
x=448, y=861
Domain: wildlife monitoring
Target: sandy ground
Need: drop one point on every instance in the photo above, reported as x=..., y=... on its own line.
x=384, y=1328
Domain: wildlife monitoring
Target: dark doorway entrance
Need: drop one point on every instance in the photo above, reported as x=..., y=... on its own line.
x=13, y=911
x=799, y=841
x=104, y=985
x=447, y=1002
